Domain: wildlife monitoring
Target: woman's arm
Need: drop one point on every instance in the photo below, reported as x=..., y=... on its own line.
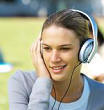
x=17, y=93
x=19, y=98
x=39, y=98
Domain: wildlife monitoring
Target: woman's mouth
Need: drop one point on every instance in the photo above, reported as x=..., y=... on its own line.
x=58, y=69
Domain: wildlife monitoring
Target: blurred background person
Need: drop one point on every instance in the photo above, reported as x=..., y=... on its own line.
x=4, y=66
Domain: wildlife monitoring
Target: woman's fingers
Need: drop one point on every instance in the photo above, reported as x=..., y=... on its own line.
x=37, y=59
x=33, y=51
x=34, y=47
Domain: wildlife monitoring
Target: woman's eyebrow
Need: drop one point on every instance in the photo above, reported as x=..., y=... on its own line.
x=45, y=44
x=63, y=45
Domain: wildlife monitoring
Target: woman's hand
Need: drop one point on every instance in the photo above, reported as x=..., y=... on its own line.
x=37, y=59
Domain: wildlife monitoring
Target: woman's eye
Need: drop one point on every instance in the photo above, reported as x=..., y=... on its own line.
x=46, y=48
x=65, y=49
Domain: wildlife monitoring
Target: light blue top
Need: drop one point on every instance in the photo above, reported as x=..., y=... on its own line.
x=28, y=92
x=80, y=104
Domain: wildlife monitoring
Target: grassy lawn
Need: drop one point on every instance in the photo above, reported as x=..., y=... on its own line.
x=16, y=37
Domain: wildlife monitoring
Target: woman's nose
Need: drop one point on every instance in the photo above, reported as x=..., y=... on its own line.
x=55, y=57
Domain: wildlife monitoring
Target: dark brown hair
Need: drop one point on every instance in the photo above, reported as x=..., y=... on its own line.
x=71, y=20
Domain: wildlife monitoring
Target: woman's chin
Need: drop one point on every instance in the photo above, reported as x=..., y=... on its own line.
x=58, y=77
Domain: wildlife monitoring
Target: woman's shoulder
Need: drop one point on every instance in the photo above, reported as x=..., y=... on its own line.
x=95, y=85
x=23, y=80
x=30, y=74
x=24, y=75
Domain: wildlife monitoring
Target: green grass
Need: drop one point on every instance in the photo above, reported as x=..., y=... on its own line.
x=16, y=37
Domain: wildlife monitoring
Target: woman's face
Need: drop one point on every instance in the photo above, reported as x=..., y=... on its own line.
x=60, y=51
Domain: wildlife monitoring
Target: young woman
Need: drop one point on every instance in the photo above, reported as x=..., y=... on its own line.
x=57, y=56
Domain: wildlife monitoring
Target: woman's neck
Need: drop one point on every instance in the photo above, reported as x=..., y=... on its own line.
x=73, y=93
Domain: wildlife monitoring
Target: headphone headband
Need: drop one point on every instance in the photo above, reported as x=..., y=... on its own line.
x=94, y=31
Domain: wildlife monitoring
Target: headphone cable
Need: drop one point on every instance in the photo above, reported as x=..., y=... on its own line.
x=68, y=85
x=54, y=87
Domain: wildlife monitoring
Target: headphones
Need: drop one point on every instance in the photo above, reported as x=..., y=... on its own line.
x=89, y=47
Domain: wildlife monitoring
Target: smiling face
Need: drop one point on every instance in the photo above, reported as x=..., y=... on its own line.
x=60, y=51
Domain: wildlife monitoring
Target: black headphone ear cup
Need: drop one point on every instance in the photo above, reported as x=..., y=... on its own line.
x=86, y=50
